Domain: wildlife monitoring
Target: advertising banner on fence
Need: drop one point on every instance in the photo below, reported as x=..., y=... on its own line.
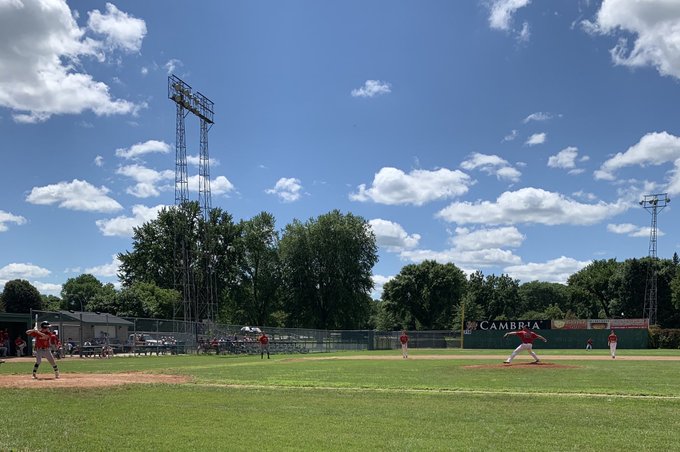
x=506, y=325
x=572, y=324
x=629, y=323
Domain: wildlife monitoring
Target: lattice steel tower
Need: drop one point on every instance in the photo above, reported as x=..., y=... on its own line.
x=195, y=306
x=653, y=204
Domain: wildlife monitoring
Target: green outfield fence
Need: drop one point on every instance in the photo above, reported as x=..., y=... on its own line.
x=573, y=339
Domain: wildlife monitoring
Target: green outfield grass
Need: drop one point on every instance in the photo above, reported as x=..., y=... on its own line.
x=344, y=401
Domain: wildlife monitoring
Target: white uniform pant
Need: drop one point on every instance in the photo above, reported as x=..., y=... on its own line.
x=527, y=347
x=612, y=349
x=404, y=350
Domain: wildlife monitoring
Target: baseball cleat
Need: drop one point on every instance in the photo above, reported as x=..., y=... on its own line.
x=56, y=375
x=35, y=377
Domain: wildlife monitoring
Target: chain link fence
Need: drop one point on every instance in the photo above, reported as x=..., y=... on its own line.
x=79, y=330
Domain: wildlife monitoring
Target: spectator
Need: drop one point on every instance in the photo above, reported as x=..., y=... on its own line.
x=19, y=344
x=4, y=342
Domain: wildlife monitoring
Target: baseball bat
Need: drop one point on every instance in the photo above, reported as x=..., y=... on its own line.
x=36, y=323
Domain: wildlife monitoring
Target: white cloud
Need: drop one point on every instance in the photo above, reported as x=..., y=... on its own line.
x=392, y=236
x=524, y=34
x=40, y=47
x=99, y=161
x=632, y=230
x=538, y=116
x=6, y=217
x=392, y=186
x=372, y=88
x=123, y=226
x=120, y=29
x=555, y=270
x=144, y=70
x=218, y=186
x=486, y=238
x=537, y=138
x=74, y=195
x=196, y=161
x=22, y=271
x=464, y=258
x=172, y=65
x=501, y=12
x=566, y=158
x=147, y=180
x=47, y=288
x=139, y=149
x=109, y=270
x=653, y=149
x=531, y=205
x=379, y=282
x=286, y=188
x=511, y=136
x=654, y=25
x=492, y=164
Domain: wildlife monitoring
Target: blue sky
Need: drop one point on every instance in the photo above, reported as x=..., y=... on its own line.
x=507, y=136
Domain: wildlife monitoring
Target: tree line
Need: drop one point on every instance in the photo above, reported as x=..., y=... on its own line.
x=318, y=274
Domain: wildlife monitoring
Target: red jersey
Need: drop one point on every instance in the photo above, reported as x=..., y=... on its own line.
x=42, y=342
x=611, y=338
x=403, y=339
x=527, y=337
x=264, y=340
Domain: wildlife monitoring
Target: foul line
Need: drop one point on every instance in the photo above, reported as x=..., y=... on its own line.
x=438, y=391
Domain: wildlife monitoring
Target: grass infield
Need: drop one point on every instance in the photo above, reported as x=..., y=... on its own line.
x=435, y=400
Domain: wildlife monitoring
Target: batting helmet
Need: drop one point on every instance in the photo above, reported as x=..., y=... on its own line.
x=45, y=324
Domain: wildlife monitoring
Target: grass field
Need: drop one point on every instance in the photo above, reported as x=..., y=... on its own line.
x=435, y=400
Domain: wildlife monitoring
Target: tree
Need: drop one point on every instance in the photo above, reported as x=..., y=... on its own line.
x=595, y=280
x=19, y=296
x=147, y=300
x=51, y=303
x=77, y=292
x=326, y=269
x=208, y=249
x=256, y=298
x=536, y=296
x=425, y=294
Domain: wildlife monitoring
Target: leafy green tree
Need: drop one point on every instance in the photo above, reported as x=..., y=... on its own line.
x=19, y=296
x=51, y=303
x=142, y=299
x=208, y=248
x=425, y=294
x=595, y=280
x=256, y=298
x=505, y=300
x=326, y=270
x=77, y=292
x=536, y=296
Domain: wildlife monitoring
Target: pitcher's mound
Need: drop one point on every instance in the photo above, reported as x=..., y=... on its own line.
x=71, y=380
x=521, y=365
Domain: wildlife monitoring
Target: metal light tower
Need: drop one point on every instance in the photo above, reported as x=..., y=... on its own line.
x=653, y=204
x=194, y=306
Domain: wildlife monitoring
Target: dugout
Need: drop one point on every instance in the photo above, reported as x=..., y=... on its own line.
x=559, y=339
x=16, y=325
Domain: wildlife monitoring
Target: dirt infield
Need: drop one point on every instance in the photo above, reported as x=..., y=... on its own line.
x=71, y=380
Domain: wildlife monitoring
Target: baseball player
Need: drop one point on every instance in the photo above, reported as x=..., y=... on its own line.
x=264, y=345
x=589, y=344
x=527, y=337
x=404, y=344
x=611, y=341
x=42, y=348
